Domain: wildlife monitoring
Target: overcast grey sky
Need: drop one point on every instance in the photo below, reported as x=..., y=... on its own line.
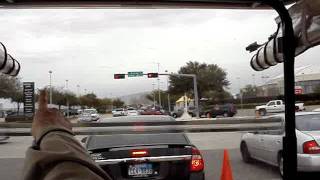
x=87, y=46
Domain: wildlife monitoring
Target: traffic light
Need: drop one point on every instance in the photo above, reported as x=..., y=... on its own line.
x=152, y=75
x=119, y=76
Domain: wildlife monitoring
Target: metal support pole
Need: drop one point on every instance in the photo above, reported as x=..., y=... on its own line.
x=196, y=98
x=67, y=99
x=195, y=89
x=169, y=106
x=50, y=95
x=154, y=96
x=289, y=153
x=159, y=86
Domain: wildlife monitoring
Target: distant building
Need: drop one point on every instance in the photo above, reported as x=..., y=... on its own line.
x=307, y=78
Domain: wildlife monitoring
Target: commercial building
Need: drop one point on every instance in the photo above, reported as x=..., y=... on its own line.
x=307, y=79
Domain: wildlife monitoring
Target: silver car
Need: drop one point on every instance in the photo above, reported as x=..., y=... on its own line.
x=266, y=146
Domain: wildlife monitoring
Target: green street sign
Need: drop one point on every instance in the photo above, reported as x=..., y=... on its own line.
x=135, y=74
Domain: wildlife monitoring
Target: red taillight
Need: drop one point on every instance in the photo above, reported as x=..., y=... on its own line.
x=197, y=163
x=311, y=147
x=139, y=153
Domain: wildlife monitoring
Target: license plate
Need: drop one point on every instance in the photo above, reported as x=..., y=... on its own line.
x=140, y=170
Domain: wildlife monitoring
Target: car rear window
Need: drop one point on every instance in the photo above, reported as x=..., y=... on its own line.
x=308, y=122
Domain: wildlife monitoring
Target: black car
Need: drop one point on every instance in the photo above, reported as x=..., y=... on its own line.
x=147, y=156
x=225, y=110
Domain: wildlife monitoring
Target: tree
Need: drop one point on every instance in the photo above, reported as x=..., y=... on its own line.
x=90, y=100
x=164, y=98
x=11, y=87
x=8, y=86
x=118, y=103
x=249, y=91
x=210, y=77
x=217, y=97
x=58, y=97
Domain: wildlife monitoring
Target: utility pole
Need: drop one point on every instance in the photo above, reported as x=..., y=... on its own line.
x=240, y=93
x=154, y=96
x=253, y=79
x=67, y=99
x=169, y=104
x=78, y=89
x=50, y=95
x=159, y=86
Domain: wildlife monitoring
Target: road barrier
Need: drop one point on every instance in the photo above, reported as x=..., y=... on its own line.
x=235, y=120
x=17, y=129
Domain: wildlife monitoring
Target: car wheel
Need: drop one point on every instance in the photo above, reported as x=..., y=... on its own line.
x=262, y=112
x=246, y=157
x=208, y=115
x=174, y=115
x=280, y=164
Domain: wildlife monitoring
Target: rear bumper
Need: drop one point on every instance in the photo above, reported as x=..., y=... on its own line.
x=143, y=159
x=308, y=162
x=197, y=176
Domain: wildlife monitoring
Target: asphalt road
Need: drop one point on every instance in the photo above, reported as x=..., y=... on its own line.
x=210, y=144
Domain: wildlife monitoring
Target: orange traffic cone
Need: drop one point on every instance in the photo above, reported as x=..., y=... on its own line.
x=226, y=173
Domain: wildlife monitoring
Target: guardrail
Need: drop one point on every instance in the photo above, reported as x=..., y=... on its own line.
x=157, y=123
x=195, y=126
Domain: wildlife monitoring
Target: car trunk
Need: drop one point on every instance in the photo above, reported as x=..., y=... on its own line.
x=152, y=156
x=314, y=134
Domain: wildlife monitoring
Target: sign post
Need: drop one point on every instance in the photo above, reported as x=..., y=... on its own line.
x=135, y=74
x=28, y=99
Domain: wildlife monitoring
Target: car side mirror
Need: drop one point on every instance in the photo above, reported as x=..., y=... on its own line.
x=84, y=140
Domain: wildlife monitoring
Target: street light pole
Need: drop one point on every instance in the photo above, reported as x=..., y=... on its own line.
x=159, y=86
x=50, y=90
x=240, y=93
x=154, y=96
x=67, y=99
x=253, y=79
x=78, y=89
x=169, y=104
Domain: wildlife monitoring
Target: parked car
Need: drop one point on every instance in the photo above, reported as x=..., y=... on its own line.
x=146, y=156
x=266, y=146
x=3, y=114
x=225, y=110
x=276, y=106
x=72, y=112
x=118, y=112
x=178, y=112
x=132, y=112
x=152, y=112
x=89, y=115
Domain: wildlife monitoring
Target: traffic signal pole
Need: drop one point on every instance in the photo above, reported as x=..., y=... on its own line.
x=195, y=89
x=156, y=75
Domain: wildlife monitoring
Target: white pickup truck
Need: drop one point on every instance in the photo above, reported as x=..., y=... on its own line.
x=276, y=106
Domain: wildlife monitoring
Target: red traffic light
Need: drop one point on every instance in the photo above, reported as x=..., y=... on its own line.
x=153, y=75
x=119, y=76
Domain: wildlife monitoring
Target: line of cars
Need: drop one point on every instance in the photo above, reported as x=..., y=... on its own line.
x=130, y=111
x=225, y=110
